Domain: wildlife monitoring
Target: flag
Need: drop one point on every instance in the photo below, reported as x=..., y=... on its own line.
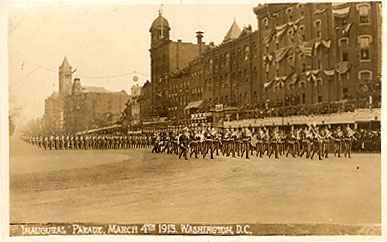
x=306, y=48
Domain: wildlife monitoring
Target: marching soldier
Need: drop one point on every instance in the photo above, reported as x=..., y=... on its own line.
x=348, y=138
x=338, y=136
x=183, y=143
x=291, y=143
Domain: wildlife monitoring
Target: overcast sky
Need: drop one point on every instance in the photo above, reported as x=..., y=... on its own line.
x=100, y=41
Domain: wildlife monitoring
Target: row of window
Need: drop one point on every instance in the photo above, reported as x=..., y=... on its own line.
x=363, y=10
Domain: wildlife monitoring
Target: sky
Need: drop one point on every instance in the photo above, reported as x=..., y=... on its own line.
x=108, y=44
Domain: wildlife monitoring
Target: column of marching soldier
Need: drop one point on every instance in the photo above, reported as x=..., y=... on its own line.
x=310, y=141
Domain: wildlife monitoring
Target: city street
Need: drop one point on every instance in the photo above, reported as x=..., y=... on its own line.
x=136, y=186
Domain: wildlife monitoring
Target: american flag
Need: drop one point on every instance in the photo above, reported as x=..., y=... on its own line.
x=307, y=48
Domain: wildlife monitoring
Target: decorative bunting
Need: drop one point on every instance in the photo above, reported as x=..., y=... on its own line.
x=320, y=11
x=341, y=12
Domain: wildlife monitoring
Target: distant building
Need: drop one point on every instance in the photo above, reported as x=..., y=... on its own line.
x=131, y=113
x=53, y=118
x=76, y=108
x=92, y=107
x=145, y=100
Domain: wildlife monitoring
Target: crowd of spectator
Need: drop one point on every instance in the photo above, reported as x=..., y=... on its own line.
x=305, y=109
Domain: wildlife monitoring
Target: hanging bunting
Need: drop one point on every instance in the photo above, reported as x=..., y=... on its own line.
x=341, y=12
x=343, y=67
x=320, y=11
x=281, y=54
x=329, y=72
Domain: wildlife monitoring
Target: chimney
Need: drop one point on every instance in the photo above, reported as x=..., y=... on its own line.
x=199, y=37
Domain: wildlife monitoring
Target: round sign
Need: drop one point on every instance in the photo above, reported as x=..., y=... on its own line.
x=135, y=78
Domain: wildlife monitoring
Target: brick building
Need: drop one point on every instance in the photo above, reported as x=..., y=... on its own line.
x=76, y=108
x=53, y=117
x=167, y=56
x=208, y=75
x=145, y=100
x=323, y=52
x=92, y=107
x=301, y=55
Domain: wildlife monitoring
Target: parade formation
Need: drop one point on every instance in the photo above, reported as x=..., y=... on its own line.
x=309, y=141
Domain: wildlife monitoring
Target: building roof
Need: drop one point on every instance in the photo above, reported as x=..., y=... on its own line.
x=94, y=89
x=233, y=32
x=160, y=22
x=65, y=62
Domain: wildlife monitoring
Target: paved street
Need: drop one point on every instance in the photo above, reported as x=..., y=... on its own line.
x=136, y=186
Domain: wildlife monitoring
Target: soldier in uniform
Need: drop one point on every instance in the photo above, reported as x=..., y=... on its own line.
x=245, y=142
x=338, y=136
x=291, y=143
x=208, y=144
x=349, y=136
x=194, y=143
x=316, y=143
x=226, y=142
x=326, y=136
x=183, y=143
x=275, y=143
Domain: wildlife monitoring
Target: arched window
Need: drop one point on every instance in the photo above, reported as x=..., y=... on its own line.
x=317, y=26
x=364, y=13
x=364, y=42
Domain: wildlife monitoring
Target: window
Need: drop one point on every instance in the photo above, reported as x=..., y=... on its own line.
x=344, y=56
x=345, y=93
x=317, y=26
x=277, y=65
x=344, y=42
x=319, y=99
x=364, y=13
x=303, y=98
x=365, y=75
x=344, y=76
x=364, y=42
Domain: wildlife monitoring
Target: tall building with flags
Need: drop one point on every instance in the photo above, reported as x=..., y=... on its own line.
x=167, y=56
x=320, y=52
x=188, y=75
x=300, y=55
